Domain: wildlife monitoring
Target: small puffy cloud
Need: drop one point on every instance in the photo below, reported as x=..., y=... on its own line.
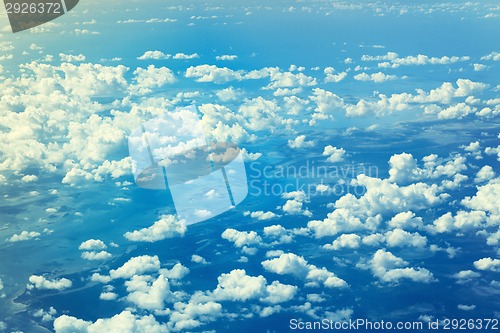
x=349, y=241
x=123, y=322
x=238, y=286
x=279, y=293
x=334, y=154
x=226, y=57
x=108, y=296
x=292, y=264
x=375, y=77
x=261, y=215
x=487, y=198
x=94, y=255
x=389, y=268
x=402, y=238
x=479, y=67
x=71, y=57
x=485, y=174
x=29, y=178
x=168, y=226
x=175, y=273
x=24, y=236
x=466, y=276
x=147, y=294
x=406, y=220
x=212, y=73
x=331, y=76
x=300, y=142
x=488, y=264
x=464, y=307
x=199, y=259
x=136, y=266
x=92, y=244
x=295, y=207
x=227, y=94
x=40, y=282
x=183, y=56
x=152, y=77
x=241, y=238
x=154, y=55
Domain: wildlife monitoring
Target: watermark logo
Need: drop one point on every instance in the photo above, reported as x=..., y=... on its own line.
x=171, y=151
x=26, y=14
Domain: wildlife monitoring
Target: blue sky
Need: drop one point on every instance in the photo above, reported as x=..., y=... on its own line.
x=371, y=142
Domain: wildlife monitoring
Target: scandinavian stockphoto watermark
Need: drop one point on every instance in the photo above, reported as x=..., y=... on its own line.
x=171, y=152
x=312, y=177
x=26, y=14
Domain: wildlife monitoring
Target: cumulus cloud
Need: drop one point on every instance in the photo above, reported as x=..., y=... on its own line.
x=212, y=73
x=42, y=283
x=241, y=238
x=24, y=236
x=147, y=294
x=168, y=226
x=300, y=142
x=261, y=215
x=154, y=55
x=375, y=77
x=94, y=255
x=334, y=154
x=227, y=57
x=391, y=269
x=136, y=266
x=123, y=322
x=292, y=264
x=92, y=244
x=488, y=264
x=150, y=78
x=349, y=241
x=183, y=56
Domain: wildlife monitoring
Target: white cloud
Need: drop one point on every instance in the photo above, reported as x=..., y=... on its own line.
x=123, y=322
x=389, y=268
x=465, y=307
x=291, y=264
x=300, y=142
x=238, y=286
x=94, y=255
x=155, y=55
x=241, y=238
x=334, y=154
x=492, y=56
x=150, y=78
x=349, y=241
x=466, y=276
x=199, y=259
x=92, y=244
x=488, y=264
x=183, y=56
x=375, y=77
x=24, y=236
x=226, y=57
x=401, y=238
x=71, y=57
x=212, y=73
x=485, y=174
x=166, y=227
x=42, y=283
x=136, y=266
x=406, y=220
x=147, y=294
x=108, y=296
x=261, y=215
x=487, y=198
